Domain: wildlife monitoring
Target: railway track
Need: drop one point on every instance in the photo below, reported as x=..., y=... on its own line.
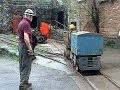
x=110, y=79
x=47, y=55
x=89, y=79
x=100, y=82
x=13, y=42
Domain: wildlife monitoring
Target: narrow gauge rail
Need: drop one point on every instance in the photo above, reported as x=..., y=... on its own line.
x=111, y=80
x=101, y=79
x=12, y=42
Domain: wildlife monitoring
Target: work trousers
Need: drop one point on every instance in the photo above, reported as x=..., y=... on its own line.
x=24, y=63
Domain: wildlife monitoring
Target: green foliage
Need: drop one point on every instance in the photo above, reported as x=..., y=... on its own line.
x=8, y=57
x=6, y=54
x=13, y=48
x=13, y=56
x=10, y=36
x=109, y=43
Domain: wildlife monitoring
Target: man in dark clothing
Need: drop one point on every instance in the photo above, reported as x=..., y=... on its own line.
x=34, y=44
x=25, y=49
x=34, y=41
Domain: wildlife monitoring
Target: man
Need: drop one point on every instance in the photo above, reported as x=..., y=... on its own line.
x=25, y=49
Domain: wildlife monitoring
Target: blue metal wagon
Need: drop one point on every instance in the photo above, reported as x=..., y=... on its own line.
x=86, y=50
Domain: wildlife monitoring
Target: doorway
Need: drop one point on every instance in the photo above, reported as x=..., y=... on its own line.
x=61, y=19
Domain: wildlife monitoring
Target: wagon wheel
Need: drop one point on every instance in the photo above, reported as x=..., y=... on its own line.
x=77, y=67
x=75, y=63
x=74, y=60
x=67, y=54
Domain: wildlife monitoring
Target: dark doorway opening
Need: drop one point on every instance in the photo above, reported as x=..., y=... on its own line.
x=61, y=19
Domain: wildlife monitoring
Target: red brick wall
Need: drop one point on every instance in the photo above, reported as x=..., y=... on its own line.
x=110, y=19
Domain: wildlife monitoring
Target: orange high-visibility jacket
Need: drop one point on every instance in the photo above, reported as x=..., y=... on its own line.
x=44, y=28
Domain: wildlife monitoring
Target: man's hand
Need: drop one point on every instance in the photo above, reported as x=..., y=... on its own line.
x=30, y=52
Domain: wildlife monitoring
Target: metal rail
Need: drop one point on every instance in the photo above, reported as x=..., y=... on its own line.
x=61, y=24
x=104, y=75
x=111, y=80
x=58, y=49
x=91, y=85
x=12, y=42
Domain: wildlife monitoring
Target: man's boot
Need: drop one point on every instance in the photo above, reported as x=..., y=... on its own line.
x=25, y=86
x=22, y=87
x=29, y=86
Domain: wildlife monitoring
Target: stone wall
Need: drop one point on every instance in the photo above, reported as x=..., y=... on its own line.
x=0, y=18
x=6, y=15
x=85, y=16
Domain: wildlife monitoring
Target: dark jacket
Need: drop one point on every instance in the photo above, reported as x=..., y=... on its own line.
x=34, y=40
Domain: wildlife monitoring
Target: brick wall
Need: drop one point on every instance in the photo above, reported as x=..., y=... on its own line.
x=110, y=19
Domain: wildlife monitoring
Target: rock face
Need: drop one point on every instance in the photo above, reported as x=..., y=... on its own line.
x=0, y=15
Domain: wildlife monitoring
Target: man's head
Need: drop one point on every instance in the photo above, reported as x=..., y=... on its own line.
x=29, y=14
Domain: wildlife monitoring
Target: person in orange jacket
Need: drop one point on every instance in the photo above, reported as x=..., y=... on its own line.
x=44, y=29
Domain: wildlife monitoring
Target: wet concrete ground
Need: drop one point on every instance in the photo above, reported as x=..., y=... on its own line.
x=42, y=78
